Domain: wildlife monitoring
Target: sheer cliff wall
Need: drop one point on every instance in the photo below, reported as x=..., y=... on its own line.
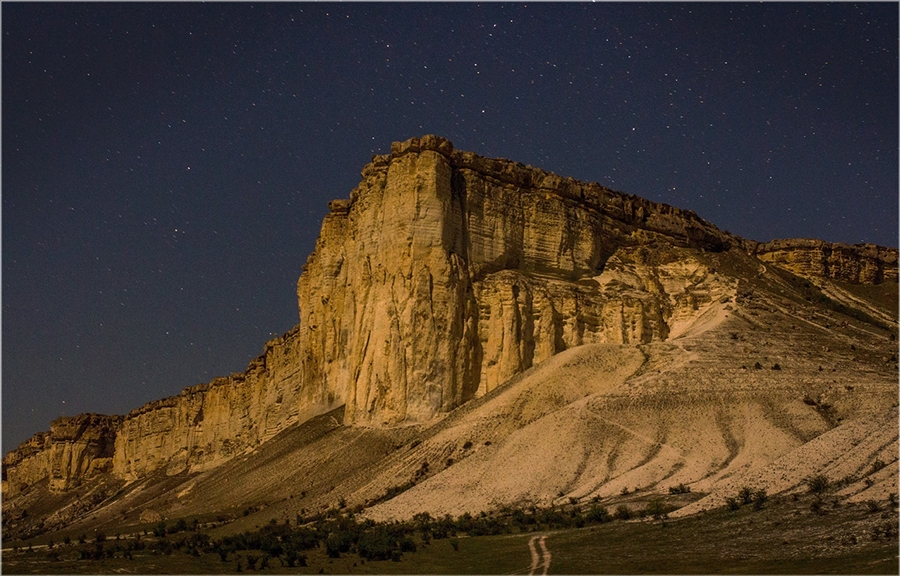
x=443, y=275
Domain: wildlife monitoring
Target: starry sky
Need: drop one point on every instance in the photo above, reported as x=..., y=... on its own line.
x=166, y=166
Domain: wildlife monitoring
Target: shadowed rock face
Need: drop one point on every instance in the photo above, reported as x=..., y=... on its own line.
x=859, y=264
x=75, y=448
x=441, y=277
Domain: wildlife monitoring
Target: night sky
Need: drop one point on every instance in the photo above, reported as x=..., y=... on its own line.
x=166, y=166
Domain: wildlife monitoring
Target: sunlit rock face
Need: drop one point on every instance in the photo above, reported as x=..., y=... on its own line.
x=442, y=276
x=445, y=274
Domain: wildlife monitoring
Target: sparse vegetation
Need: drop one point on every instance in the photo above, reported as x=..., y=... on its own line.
x=680, y=489
x=817, y=484
x=656, y=509
x=623, y=512
x=759, y=498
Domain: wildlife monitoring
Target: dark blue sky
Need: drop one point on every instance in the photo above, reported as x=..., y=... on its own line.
x=166, y=166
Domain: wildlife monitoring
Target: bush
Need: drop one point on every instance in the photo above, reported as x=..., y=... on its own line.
x=680, y=489
x=160, y=530
x=623, y=512
x=759, y=498
x=656, y=509
x=732, y=503
x=597, y=514
x=873, y=506
x=467, y=445
x=746, y=495
x=817, y=484
x=251, y=561
x=337, y=543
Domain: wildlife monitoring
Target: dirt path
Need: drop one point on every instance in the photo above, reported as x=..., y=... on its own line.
x=543, y=559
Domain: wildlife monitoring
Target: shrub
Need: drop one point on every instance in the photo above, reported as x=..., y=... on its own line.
x=733, y=503
x=455, y=543
x=757, y=366
x=251, y=561
x=597, y=514
x=656, y=509
x=160, y=530
x=223, y=552
x=776, y=366
x=623, y=512
x=759, y=498
x=817, y=484
x=746, y=495
x=873, y=506
x=467, y=445
x=680, y=489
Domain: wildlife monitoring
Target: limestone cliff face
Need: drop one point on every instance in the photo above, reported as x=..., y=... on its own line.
x=210, y=423
x=442, y=276
x=446, y=273
x=75, y=448
x=859, y=263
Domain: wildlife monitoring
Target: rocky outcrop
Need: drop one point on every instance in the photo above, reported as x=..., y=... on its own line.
x=442, y=276
x=210, y=423
x=857, y=263
x=446, y=273
x=75, y=448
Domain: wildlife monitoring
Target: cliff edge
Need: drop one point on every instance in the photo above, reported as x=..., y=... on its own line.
x=442, y=276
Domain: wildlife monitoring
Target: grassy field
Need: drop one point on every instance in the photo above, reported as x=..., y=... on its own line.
x=784, y=537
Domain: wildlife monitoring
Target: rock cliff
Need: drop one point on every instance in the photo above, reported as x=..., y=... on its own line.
x=442, y=276
x=859, y=263
x=74, y=449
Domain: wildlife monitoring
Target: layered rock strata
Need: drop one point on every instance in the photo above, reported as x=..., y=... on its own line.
x=75, y=448
x=857, y=263
x=443, y=275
